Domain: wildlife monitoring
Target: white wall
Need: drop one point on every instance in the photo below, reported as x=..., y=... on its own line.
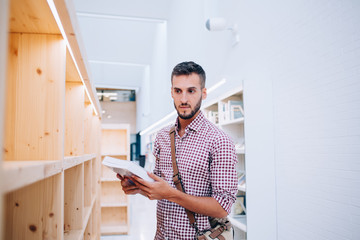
x=299, y=61
x=120, y=112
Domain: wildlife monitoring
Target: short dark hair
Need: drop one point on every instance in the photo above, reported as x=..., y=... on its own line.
x=187, y=68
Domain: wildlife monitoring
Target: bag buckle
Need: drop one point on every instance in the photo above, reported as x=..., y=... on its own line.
x=176, y=178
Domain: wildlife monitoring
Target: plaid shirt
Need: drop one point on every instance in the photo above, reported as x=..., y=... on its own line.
x=206, y=161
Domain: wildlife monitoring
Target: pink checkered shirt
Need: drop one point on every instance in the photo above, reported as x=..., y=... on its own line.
x=206, y=161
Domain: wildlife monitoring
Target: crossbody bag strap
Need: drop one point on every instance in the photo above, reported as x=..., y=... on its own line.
x=177, y=177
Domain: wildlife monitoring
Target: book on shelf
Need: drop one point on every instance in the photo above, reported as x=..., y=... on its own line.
x=236, y=109
x=241, y=179
x=126, y=168
x=213, y=116
x=231, y=110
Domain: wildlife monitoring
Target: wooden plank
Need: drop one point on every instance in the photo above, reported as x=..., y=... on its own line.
x=34, y=212
x=89, y=138
x=18, y=174
x=87, y=213
x=35, y=109
x=79, y=234
x=88, y=230
x=74, y=198
x=114, y=142
x=67, y=14
x=94, y=177
x=124, y=204
x=73, y=161
x=3, y=66
x=32, y=16
x=114, y=220
x=114, y=229
x=74, y=115
x=72, y=74
x=111, y=192
x=87, y=183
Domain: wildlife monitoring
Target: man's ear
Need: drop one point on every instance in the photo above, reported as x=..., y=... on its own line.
x=204, y=93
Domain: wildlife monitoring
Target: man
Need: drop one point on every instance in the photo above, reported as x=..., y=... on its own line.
x=206, y=161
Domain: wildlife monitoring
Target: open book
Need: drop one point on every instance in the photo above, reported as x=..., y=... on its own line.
x=126, y=168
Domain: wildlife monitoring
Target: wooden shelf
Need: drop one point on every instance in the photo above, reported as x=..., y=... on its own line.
x=48, y=115
x=79, y=233
x=114, y=229
x=115, y=204
x=122, y=154
x=18, y=174
x=238, y=221
x=109, y=179
x=87, y=213
x=73, y=161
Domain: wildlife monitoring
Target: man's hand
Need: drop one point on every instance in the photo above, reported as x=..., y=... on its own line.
x=157, y=190
x=128, y=185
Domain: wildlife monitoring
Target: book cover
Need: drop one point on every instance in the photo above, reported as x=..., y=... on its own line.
x=126, y=168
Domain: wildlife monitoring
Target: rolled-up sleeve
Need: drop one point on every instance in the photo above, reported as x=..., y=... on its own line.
x=223, y=175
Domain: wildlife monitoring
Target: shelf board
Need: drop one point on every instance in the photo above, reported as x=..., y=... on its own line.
x=238, y=221
x=241, y=188
x=18, y=174
x=87, y=213
x=78, y=234
x=70, y=162
x=116, y=204
x=240, y=150
x=235, y=121
x=114, y=229
x=104, y=179
x=122, y=154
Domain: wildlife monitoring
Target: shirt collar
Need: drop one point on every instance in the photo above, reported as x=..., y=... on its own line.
x=195, y=124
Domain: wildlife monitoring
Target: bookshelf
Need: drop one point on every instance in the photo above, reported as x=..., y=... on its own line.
x=50, y=177
x=227, y=112
x=114, y=202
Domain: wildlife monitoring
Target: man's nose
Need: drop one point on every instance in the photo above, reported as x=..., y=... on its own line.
x=183, y=98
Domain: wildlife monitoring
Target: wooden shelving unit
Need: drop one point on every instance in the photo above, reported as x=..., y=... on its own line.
x=50, y=174
x=220, y=112
x=114, y=202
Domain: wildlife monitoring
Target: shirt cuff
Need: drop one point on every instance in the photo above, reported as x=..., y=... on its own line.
x=225, y=201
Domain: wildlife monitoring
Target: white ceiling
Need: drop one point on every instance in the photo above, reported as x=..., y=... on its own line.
x=119, y=38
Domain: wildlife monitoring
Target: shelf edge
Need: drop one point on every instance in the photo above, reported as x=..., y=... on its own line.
x=18, y=174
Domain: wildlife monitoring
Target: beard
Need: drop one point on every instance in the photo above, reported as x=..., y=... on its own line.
x=193, y=111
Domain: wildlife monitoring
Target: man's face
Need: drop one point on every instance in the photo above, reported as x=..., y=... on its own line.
x=187, y=94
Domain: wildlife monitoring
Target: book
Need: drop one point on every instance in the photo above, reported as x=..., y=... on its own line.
x=126, y=168
x=236, y=109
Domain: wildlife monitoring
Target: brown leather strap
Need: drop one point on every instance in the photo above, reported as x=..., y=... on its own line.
x=177, y=177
